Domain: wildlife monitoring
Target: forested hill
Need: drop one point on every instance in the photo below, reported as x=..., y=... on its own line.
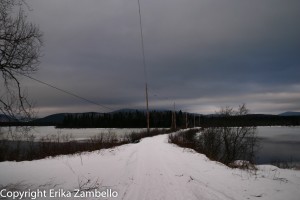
x=125, y=119
x=163, y=119
x=249, y=120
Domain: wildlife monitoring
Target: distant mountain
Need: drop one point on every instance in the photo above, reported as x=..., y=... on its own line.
x=51, y=119
x=289, y=113
x=5, y=118
x=125, y=110
x=59, y=117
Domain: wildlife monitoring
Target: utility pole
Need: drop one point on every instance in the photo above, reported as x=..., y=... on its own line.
x=194, y=120
x=186, y=120
x=144, y=64
x=172, y=122
x=147, y=107
x=174, y=118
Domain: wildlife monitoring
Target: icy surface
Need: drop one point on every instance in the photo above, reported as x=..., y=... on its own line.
x=153, y=169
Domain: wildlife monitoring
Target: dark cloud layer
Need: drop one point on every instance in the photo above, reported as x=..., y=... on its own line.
x=202, y=54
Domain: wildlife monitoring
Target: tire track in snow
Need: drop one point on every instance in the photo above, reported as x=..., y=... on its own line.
x=157, y=166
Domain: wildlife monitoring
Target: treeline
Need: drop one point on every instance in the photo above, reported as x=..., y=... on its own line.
x=136, y=119
x=160, y=119
x=249, y=120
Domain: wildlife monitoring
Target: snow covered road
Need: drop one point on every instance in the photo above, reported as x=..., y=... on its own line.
x=152, y=169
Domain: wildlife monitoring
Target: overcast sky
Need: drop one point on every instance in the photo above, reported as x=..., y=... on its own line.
x=200, y=54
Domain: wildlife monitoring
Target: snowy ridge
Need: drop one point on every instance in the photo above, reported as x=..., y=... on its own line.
x=153, y=169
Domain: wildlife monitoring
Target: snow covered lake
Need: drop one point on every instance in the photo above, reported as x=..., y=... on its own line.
x=277, y=143
x=76, y=134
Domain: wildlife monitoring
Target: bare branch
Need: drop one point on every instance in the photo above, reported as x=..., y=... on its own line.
x=20, y=43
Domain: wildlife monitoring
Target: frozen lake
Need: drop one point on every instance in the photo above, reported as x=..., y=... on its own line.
x=279, y=143
x=76, y=134
x=276, y=143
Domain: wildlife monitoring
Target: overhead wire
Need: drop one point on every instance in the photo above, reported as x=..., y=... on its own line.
x=93, y=102
x=66, y=92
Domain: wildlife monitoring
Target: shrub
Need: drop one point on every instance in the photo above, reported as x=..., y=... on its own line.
x=186, y=139
x=224, y=144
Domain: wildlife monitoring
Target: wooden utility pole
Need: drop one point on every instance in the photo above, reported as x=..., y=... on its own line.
x=172, y=122
x=147, y=107
x=174, y=117
x=144, y=64
x=186, y=120
x=173, y=126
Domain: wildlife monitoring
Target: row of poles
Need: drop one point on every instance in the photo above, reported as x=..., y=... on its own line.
x=173, y=124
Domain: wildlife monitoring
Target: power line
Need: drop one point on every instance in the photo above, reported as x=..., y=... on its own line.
x=93, y=102
x=66, y=92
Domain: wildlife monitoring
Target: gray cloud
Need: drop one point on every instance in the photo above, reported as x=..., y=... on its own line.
x=201, y=54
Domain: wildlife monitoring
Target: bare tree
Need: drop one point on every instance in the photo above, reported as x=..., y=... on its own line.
x=238, y=142
x=226, y=143
x=20, y=43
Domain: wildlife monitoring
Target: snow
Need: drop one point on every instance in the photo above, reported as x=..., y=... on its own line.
x=151, y=169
